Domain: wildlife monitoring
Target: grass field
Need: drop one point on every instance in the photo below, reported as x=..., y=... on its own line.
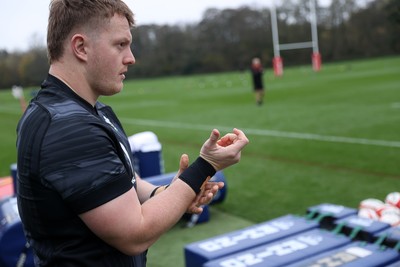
x=332, y=136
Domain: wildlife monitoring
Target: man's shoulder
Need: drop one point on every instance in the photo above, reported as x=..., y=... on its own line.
x=57, y=98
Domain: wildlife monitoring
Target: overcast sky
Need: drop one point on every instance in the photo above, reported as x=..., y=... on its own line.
x=24, y=22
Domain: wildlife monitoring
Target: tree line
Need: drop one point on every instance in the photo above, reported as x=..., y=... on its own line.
x=227, y=39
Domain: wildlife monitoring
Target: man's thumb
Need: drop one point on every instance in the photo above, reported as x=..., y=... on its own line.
x=184, y=162
x=214, y=136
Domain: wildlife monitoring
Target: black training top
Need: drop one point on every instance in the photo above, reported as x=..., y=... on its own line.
x=72, y=157
x=257, y=78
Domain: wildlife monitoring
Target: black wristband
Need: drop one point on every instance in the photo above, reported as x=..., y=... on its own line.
x=197, y=173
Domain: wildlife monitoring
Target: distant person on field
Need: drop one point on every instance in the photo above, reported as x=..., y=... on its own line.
x=257, y=76
x=18, y=93
x=80, y=202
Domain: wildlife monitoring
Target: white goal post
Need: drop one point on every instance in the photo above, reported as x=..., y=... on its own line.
x=316, y=56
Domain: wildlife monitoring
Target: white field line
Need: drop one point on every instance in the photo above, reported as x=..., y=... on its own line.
x=396, y=105
x=260, y=132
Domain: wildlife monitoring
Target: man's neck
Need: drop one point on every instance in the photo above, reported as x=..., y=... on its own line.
x=74, y=81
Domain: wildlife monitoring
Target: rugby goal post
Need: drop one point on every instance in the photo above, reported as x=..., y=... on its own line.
x=315, y=57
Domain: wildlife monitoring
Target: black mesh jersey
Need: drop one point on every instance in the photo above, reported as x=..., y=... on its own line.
x=72, y=157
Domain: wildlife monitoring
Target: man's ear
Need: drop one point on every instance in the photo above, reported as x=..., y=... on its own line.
x=78, y=46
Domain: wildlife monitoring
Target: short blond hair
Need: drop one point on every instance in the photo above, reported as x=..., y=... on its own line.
x=67, y=15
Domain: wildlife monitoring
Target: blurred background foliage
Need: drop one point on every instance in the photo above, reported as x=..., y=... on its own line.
x=225, y=40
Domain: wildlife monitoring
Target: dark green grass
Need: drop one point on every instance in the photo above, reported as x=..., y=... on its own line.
x=277, y=174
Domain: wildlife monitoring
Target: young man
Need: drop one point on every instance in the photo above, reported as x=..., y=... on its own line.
x=80, y=202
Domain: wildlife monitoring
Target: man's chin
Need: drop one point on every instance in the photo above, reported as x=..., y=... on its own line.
x=113, y=91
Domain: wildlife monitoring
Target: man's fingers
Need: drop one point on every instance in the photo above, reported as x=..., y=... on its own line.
x=195, y=210
x=184, y=162
x=214, y=186
x=230, y=138
x=240, y=134
x=242, y=139
x=202, y=188
x=227, y=139
x=205, y=197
